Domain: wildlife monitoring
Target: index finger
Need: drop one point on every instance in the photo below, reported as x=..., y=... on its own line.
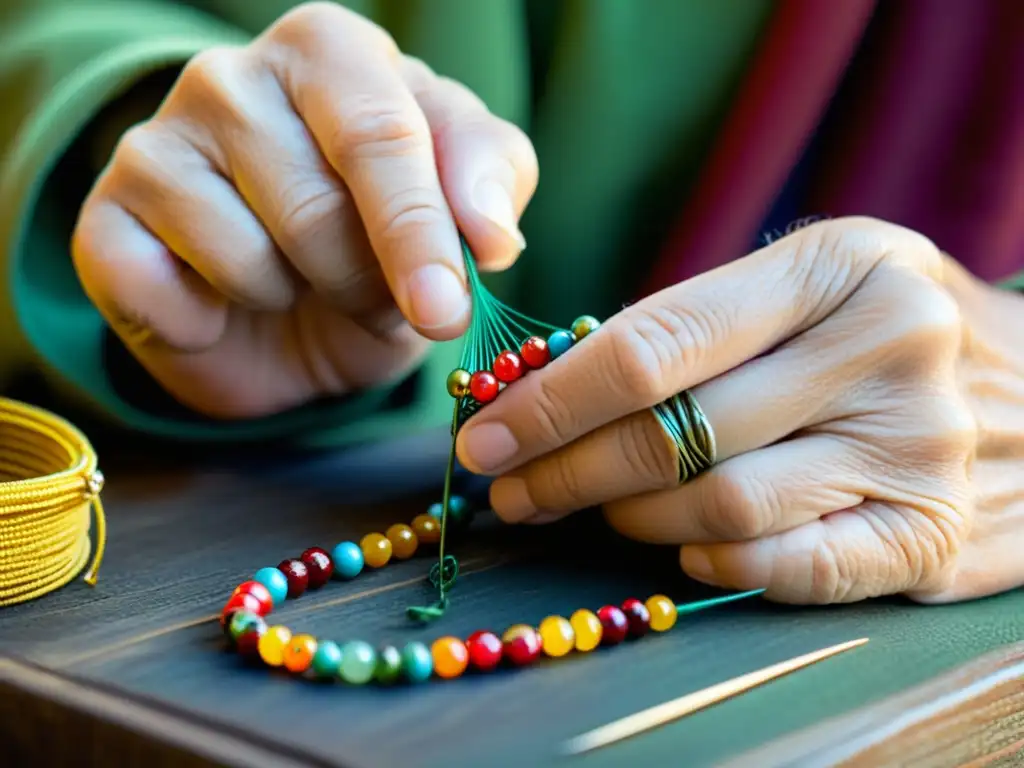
x=341, y=73
x=683, y=336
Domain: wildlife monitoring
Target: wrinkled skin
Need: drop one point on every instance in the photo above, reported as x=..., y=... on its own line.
x=867, y=396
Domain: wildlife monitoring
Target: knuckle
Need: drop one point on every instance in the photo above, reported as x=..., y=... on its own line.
x=738, y=508
x=649, y=455
x=567, y=488
x=314, y=25
x=831, y=579
x=555, y=423
x=376, y=128
x=309, y=210
x=211, y=74
x=407, y=213
x=137, y=152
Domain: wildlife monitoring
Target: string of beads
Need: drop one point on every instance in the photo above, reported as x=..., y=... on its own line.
x=49, y=487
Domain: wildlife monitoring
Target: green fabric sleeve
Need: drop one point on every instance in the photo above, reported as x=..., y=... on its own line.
x=61, y=63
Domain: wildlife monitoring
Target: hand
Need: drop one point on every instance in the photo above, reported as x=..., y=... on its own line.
x=285, y=226
x=867, y=397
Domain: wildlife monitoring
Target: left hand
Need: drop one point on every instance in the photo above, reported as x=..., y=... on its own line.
x=867, y=397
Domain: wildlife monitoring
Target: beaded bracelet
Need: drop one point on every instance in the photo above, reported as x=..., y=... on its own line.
x=357, y=662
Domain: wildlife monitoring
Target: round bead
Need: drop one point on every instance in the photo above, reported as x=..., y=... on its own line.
x=638, y=617
x=521, y=644
x=376, y=550
x=587, y=628
x=275, y=582
x=535, y=352
x=483, y=385
x=358, y=662
x=559, y=343
x=259, y=591
x=299, y=652
x=556, y=636
x=614, y=625
x=484, y=650
x=459, y=510
x=240, y=602
x=245, y=621
x=508, y=367
x=272, y=644
x=458, y=383
x=326, y=660
x=348, y=560
x=389, y=665
x=297, y=574
x=248, y=644
x=662, y=612
x=450, y=657
x=318, y=565
x=417, y=662
x=584, y=325
x=427, y=528
x=403, y=541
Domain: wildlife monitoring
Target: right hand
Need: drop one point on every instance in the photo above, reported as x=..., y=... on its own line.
x=285, y=226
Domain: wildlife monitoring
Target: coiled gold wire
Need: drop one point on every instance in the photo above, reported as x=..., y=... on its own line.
x=49, y=486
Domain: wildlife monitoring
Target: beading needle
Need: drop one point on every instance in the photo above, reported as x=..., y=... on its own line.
x=665, y=713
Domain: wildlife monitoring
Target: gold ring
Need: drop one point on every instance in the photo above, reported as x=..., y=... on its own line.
x=689, y=430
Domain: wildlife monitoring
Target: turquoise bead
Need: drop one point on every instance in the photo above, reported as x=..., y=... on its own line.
x=274, y=581
x=459, y=511
x=327, y=659
x=436, y=510
x=389, y=665
x=417, y=663
x=559, y=343
x=358, y=662
x=348, y=560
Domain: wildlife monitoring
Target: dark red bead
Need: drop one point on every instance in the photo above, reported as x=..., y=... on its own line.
x=508, y=367
x=521, y=645
x=483, y=386
x=638, y=616
x=297, y=574
x=248, y=645
x=535, y=352
x=318, y=564
x=258, y=591
x=614, y=625
x=485, y=650
x=240, y=602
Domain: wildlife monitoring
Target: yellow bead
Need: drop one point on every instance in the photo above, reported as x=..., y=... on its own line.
x=587, y=628
x=458, y=383
x=403, y=541
x=298, y=653
x=427, y=528
x=584, y=326
x=272, y=644
x=376, y=550
x=663, y=613
x=556, y=636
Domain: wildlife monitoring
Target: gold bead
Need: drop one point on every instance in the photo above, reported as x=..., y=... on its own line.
x=584, y=325
x=458, y=383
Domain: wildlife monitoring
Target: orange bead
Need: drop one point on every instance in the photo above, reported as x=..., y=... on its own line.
x=298, y=654
x=403, y=541
x=450, y=657
x=427, y=528
x=376, y=550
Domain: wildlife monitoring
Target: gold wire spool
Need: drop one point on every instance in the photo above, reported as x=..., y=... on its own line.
x=49, y=487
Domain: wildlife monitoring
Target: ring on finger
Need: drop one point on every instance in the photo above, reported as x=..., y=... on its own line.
x=682, y=419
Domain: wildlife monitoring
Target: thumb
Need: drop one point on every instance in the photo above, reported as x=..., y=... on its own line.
x=868, y=551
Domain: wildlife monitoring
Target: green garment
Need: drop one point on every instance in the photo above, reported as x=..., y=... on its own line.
x=622, y=99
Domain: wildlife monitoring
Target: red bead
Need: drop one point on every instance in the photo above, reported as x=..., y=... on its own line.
x=638, y=617
x=535, y=352
x=297, y=574
x=248, y=645
x=319, y=566
x=484, y=650
x=521, y=644
x=240, y=602
x=614, y=625
x=258, y=591
x=483, y=385
x=508, y=367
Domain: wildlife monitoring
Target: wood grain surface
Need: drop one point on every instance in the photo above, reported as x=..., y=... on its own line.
x=134, y=671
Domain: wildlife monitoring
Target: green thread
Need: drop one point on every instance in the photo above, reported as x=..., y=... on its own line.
x=700, y=605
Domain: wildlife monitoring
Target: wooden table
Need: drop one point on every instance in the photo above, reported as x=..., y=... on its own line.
x=133, y=672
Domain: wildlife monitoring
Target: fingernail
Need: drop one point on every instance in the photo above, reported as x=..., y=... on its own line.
x=696, y=563
x=511, y=499
x=492, y=201
x=489, y=446
x=437, y=296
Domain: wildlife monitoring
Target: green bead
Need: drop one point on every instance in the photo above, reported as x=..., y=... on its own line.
x=245, y=621
x=327, y=659
x=584, y=326
x=358, y=662
x=459, y=511
x=417, y=663
x=389, y=665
